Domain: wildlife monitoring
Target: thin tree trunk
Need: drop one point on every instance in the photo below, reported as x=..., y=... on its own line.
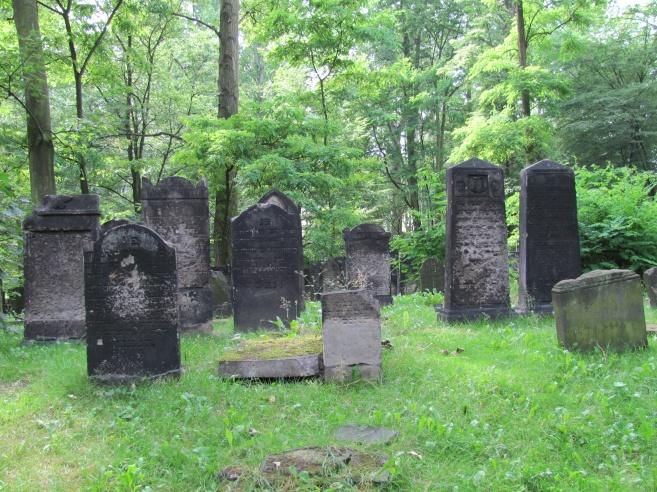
x=41, y=151
x=522, y=55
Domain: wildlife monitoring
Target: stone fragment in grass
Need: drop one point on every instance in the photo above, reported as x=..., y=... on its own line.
x=600, y=309
x=365, y=434
x=273, y=358
x=230, y=473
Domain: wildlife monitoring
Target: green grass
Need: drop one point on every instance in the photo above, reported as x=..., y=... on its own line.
x=268, y=348
x=513, y=411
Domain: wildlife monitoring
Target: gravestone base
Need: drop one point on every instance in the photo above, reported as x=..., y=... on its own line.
x=471, y=314
x=303, y=366
x=120, y=379
x=195, y=310
x=346, y=373
x=55, y=330
x=542, y=308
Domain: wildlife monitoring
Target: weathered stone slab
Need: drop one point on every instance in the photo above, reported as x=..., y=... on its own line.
x=476, y=254
x=221, y=285
x=365, y=434
x=132, y=315
x=432, y=275
x=267, y=281
x=351, y=332
x=602, y=308
x=177, y=210
x=367, y=262
x=650, y=281
x=56, y=234
x=549, y=234
x=333, y=274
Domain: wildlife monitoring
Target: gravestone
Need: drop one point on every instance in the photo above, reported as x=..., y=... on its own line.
x=332, y=276
x=602, y=308
x=106, y=226
x=650, y=281
x=367, y=262
x=549, y=234
x=56, y=234
x=275, y=197
x=220, y=283
x=177, y=210
x=432, y=275
x=265, y=251
x=476, y=255
x=132, y=315
x=313, y=286
x=351, y=333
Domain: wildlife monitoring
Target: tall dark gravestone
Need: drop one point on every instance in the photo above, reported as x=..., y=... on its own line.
x=265, y=250
x=56, y=235
x=476, y=253
x=275, y=197
x=549, y=234
x=132, y=314
x=177, y=210
x=367, y=262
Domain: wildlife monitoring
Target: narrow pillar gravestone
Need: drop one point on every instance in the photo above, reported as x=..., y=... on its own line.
x=367, y=261
x=476, y=254
x=132, y=315
x=549, y=234
x=650, y=281
x=177, y=210
x=275, y=197
x=602, y=308
x=265, y=251
x=432, y=275
x=351, y=334
x=56, y=234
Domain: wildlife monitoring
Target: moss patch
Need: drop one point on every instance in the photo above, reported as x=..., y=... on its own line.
x=274, y=348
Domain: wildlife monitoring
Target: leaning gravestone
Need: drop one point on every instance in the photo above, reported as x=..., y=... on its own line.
x=432, y=275
x=650, y=281
x=275, y=197
x=132, y=315
x=476, y=255
x=602, y=308
x=351, y=333
x=549, y=234
x=178, y=211
x=265, y=251
x=367, y=261
x=56, y=234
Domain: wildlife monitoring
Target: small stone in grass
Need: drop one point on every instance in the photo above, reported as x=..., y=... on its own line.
x=231, y=473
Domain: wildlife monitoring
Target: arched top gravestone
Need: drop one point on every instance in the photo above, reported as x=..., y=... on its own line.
x=132, y=315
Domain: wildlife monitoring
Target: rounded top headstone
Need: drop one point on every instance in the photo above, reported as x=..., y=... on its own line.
x=174, y=188
x=594, y=278
x=280, y=199
x=132, y=236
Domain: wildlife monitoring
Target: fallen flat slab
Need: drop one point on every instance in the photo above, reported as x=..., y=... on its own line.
x=365, y=434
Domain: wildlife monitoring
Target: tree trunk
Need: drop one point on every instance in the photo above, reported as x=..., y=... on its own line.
x=522, y=55
x=41, y=151
x=226, y=198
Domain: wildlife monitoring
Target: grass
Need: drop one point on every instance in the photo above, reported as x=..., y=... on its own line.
x=269, y=348
x=513, y=411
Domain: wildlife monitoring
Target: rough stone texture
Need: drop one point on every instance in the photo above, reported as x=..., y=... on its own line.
x=549, y=234
x=367, y=262
x=351, y=333
x=602, y=308
x=300, y=366
x=275, y=197
x=221, y=285
x=266, y=274
x=106, y=226
x=476, y=254
x=132, y=316
x=432, y=275
x=365, y=434
x=177, y=210
x=650, y=281
x=56, y=234
x=333, y=274
x=313, y=282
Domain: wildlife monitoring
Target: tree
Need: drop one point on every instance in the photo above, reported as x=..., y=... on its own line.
x=41, y=150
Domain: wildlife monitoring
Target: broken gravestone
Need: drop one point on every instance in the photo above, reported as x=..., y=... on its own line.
x=351, y=334
x=56, y=235
x=132, y=315
x=177, y=210
x=600, y=309
x=367, y=263
x=650, y=281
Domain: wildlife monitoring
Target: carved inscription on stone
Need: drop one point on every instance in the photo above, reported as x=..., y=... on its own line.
x=549, y=234
x=265, y=267
x=132, y=315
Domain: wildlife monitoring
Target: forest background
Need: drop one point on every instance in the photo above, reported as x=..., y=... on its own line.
x=354, y=108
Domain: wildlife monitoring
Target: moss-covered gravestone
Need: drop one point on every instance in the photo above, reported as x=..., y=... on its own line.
x=602, y=308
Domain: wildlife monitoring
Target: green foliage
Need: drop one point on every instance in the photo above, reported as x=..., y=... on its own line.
x=415, y=247
x=617, y=211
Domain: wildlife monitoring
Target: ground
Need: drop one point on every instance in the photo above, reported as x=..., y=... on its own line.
x=512, y=411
